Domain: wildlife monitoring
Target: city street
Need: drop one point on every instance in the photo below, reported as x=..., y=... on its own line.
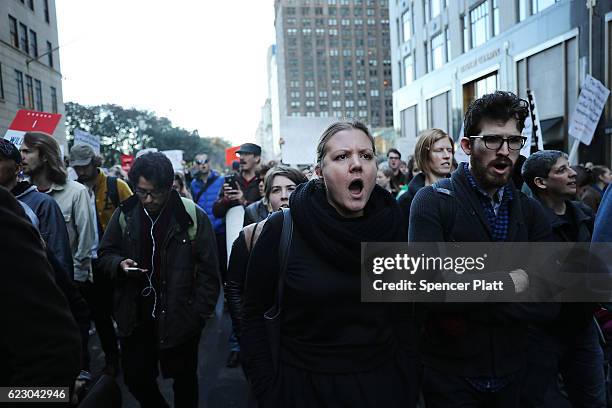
x=220, y=387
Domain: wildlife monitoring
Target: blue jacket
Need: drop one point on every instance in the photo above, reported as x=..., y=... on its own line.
x=208, y=197
x=52, y=225
x=603, y=222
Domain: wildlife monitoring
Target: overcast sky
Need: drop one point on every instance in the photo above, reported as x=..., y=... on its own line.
x=201, y=63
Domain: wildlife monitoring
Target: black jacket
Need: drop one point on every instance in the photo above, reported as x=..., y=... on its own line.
x=39, y=340
x=249, y=189
x=405, y=200
x=255, y=212
x=189, y=275
x=475, y=339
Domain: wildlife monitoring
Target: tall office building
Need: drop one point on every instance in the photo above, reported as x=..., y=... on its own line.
x=30, y=76
x=333, y=59
x=446, y=53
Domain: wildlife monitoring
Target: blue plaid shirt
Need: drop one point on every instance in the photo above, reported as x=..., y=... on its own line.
x=497, y=212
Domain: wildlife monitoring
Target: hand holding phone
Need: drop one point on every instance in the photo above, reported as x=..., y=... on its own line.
x=130, y=268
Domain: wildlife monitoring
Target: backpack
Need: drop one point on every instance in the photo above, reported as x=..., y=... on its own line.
x=190, y=207
x=112, y=193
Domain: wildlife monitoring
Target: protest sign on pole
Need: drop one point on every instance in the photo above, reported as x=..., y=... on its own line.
x=31, y=121
x=528, y=129
x=591, y=102
x=86, y=138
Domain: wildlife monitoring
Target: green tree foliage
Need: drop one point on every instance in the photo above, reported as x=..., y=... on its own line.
x=125, y=131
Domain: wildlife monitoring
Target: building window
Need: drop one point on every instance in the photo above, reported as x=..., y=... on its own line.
x=448, y=44
x=475, y=89
x=20, y=91
x=29, y=92
x=495, y=17
x=539, y=5
x=33, y=44
x=1, y=84
x=47, y=10
x=50, y=54
x=23, y=38
x=31, y=4
x=53, y=100
x=479, y=20
x=38, y=95
x=408, y=69
x=466, y=35
x=13, y=30
x=435, y=8
x=437, y=51
x=406, y=25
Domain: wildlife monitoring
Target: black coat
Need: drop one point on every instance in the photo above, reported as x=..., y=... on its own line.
x=475, y=339
x=405, y=200
x=39, y=340
x=189, y=274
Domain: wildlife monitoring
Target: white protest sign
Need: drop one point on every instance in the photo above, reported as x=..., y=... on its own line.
x=300, y=135
x=406, y=146
x=15, y=137
x=86, y=138
x=591, y=102
x=176, y=158
x=145, y=151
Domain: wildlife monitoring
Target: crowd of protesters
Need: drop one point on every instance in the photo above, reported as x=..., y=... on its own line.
x=144, y=256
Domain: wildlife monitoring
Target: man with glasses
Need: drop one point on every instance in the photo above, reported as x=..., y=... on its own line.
x=394, y=158
x=159, y=249
x=474, y=355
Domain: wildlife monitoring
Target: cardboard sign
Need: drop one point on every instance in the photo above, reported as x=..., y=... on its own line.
x=31, y=121
x=86, y=138
x=591, y=102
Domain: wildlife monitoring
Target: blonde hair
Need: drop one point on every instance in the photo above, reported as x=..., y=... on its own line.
x=427, y=139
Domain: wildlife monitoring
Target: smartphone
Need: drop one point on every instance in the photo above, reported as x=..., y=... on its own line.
x=131, y=269
x=231, y=180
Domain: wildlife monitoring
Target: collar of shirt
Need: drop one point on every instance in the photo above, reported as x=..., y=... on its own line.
x=496, y=199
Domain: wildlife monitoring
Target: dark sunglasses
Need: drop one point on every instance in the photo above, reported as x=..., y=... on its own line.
x=201, y=161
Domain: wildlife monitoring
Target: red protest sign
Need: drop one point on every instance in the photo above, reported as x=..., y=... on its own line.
x=126, y=161
x=230, y=155
x=32, y=121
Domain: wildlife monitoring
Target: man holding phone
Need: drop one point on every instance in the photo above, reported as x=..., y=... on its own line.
x=159, y=250
x=240, y=188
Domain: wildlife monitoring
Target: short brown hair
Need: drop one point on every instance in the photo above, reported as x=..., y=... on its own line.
x=338, y=127
x=292, y=174
x=426, y=140
x=48, y=149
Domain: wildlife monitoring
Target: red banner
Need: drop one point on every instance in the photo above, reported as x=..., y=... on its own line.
x=126, y=162
x=230, y=155
x=32, y=121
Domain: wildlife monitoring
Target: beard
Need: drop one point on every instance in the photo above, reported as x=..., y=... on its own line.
x=486, y=177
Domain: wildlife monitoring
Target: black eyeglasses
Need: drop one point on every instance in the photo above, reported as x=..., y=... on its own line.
x=153, y=193
x=201, y=161
x=495, y=142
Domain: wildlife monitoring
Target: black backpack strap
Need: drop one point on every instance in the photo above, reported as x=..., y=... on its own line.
x=203, y=190
x=112, y=193
x=283, y=253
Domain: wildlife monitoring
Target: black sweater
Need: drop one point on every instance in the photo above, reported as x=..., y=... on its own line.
x=325, y=327
x=476, y=339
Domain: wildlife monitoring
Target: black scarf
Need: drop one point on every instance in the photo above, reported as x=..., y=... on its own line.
x=336, y=238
